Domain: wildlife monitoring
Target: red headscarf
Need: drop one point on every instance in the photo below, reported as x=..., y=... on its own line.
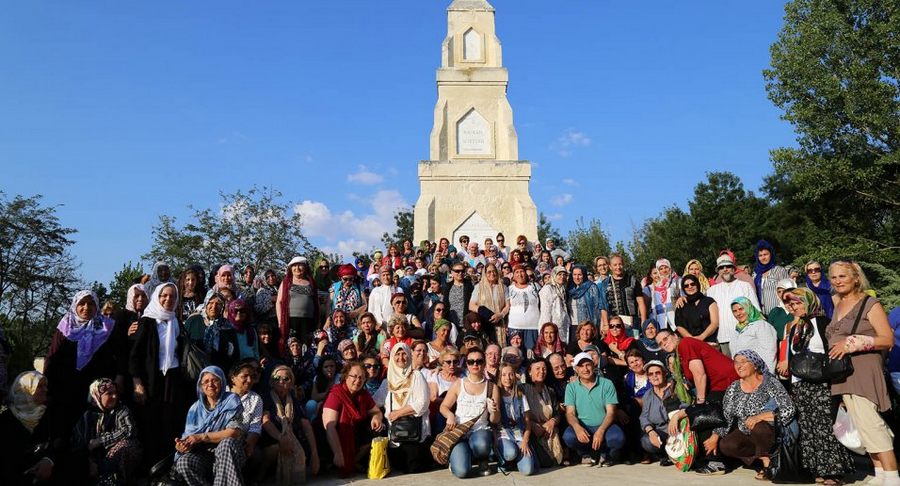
x=556, y=347
x=622, y=342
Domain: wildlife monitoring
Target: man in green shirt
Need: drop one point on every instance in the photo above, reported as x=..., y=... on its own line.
x=590, y=409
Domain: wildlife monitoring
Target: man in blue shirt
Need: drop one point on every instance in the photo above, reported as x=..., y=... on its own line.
x=590, y=410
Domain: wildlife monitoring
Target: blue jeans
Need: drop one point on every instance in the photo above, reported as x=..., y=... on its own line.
x=511, y=454
x=529, y=338
x=467, y=451
x=648, y=446
x=613, y=440
x=895, y=380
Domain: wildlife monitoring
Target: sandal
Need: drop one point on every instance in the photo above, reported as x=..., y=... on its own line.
x=832, y=482
x=763, y=474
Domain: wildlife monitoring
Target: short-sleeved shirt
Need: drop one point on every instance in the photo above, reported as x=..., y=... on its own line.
x=590, y=405
x=719, y=368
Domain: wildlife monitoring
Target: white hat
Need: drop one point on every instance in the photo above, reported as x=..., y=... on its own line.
x=296, y=260
x=724, y=260
x=581, y=357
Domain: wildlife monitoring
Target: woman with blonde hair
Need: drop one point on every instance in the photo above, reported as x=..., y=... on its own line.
x=695, y=268
x=490, y=294
x=860, y=329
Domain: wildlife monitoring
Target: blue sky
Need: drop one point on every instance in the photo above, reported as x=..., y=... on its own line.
x=122, y=111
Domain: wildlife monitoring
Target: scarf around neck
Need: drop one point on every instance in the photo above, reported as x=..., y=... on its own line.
x=89, y=334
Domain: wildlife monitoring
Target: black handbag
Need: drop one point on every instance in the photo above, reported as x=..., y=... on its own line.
x=406, y=429
x=705, y=416
x=786, y=463
x=818, y=367
x=193, y=359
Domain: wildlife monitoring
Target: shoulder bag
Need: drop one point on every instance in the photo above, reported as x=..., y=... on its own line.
x=818, y=367
x=446, y=440
x=193, y=358
x=405, y=429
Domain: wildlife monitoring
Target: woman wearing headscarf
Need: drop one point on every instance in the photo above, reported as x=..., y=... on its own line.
x=82, y=349
x=405, y=393
x=347, y=294
x=136, y=300
x=817, y=281
x=699, y=316
x=766, y=275
x=297, y=304
x=160, y=274
x=549, y=341
x=663, y=292
x=554, y=306
x=781, y=316
x=489, y=300
x=26, y=453
x=106, y=436
x=349, y=416
x=754, y=402
x=159, y=387
x=586, y=302
x=212, y=313
x=229, y=343
x=618, y=341
x=647, y=344
x=212, y=442
x=695, y=268
x=441, y=340
x=821, y=453
x=753, y=332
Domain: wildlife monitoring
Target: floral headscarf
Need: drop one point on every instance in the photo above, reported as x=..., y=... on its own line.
x=97, y=389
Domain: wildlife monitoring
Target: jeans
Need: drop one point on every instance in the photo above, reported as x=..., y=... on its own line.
x=511, y=454
x=648, y=446
x=613, y=440
x=529, y=337
x=477, y=447
x=895, y=380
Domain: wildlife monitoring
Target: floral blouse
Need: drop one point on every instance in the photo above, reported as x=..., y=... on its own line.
x=770, y=396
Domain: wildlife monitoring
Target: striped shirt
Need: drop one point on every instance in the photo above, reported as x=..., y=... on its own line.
x=767, y=293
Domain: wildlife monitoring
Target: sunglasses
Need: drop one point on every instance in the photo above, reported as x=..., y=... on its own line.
x=727, y=266
x=689, y=285
x=814, y=270
x=616, y=326
x=457, y=270
x=473, y=362
x=370, y=366
x=399, y=302
x=281, y=379
x=450, y=362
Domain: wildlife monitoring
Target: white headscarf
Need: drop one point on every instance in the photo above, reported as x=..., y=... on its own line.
x=169, y=321
x=786, y=284
x=129, y=298
x=400, y=379
x=21, y=399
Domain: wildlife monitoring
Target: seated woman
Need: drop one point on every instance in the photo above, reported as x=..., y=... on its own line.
x=618, y=341
x=326, y=377
x=439, y=381
x=586, y=334
x=475, y=398
x=754, y=402
x=473, y=326
x=346, y=352
x=288, y=440
x=545, y=410
x=753, y=332
x=338, y=328
x=699, y=316
x=420, y=361
x=405, y=397
x=229, y=343
x=516, y=341
x=373, y=374
x=368, y=339
x=647, y=344
x=516, y=422
x=349, y=416
x=548, y=341
x=106, y=436
x=212, y=443
x=441, y=339
x=26, y=452
x=196, y=324
x=636, y=380
x=655, y=407
x=399, y=330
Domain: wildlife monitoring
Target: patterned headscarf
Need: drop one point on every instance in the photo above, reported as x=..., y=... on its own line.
x=97, y=389
x=704, y=282
x=232, y=307
x=21, y=399
x=807, y=298
x=754, y=358
x=89, y=334
x=753, y=314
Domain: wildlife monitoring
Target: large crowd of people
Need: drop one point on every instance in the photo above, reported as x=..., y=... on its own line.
x=477, y=358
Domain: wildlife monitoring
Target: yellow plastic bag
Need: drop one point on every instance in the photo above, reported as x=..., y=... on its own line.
x=379, y=467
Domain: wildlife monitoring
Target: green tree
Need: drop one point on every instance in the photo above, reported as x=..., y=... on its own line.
x=38, y=275
x=129, y=275
x=403, y=221
x=835, y=71
x=547, y=230
x=248, y=228
x=588, y=241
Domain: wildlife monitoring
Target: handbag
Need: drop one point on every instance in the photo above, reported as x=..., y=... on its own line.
x=193, y=359
x=818, y=367
x=446, y=440
x=706, y=416
x=786, y=463
x=682, y=447
x=406, y=429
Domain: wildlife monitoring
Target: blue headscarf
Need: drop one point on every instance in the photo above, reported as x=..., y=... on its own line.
x=823, y=291
x=201, y=419
x=759, y=269
x=592, y=303
x=649, y=343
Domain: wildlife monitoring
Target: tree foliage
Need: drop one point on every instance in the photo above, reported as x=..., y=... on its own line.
x=38, y=275
x=129, y=275
x=835, y=71
x=587, y=241
x=547, y=230
x=403, y=220
x=247, y=228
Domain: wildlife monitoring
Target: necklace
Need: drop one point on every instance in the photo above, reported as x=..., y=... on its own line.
x=469, y=379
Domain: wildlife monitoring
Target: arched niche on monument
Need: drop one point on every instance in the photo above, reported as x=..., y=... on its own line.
x=473, y=46
x=476, y=228
x=474, y=136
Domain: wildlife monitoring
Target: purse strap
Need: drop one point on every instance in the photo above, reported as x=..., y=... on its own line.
x=862, y=308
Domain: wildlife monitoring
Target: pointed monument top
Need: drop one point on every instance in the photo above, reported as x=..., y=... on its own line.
x=481, y=5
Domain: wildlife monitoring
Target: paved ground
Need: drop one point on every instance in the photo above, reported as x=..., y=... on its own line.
x=633, y=475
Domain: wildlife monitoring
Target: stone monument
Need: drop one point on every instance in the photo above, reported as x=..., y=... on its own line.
x=473, y=183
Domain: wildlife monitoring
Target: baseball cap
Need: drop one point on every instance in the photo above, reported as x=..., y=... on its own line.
x=581, y=357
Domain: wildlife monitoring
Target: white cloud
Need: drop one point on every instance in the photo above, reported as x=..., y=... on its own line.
x=364, y=176
x=346, y=232
x=562, y=199
x=554, y=216
x=570, y=182
x=569, y=141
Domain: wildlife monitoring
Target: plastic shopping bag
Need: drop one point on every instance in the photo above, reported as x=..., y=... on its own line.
x=846, y=432
x=682, y=447
x=378, y=459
